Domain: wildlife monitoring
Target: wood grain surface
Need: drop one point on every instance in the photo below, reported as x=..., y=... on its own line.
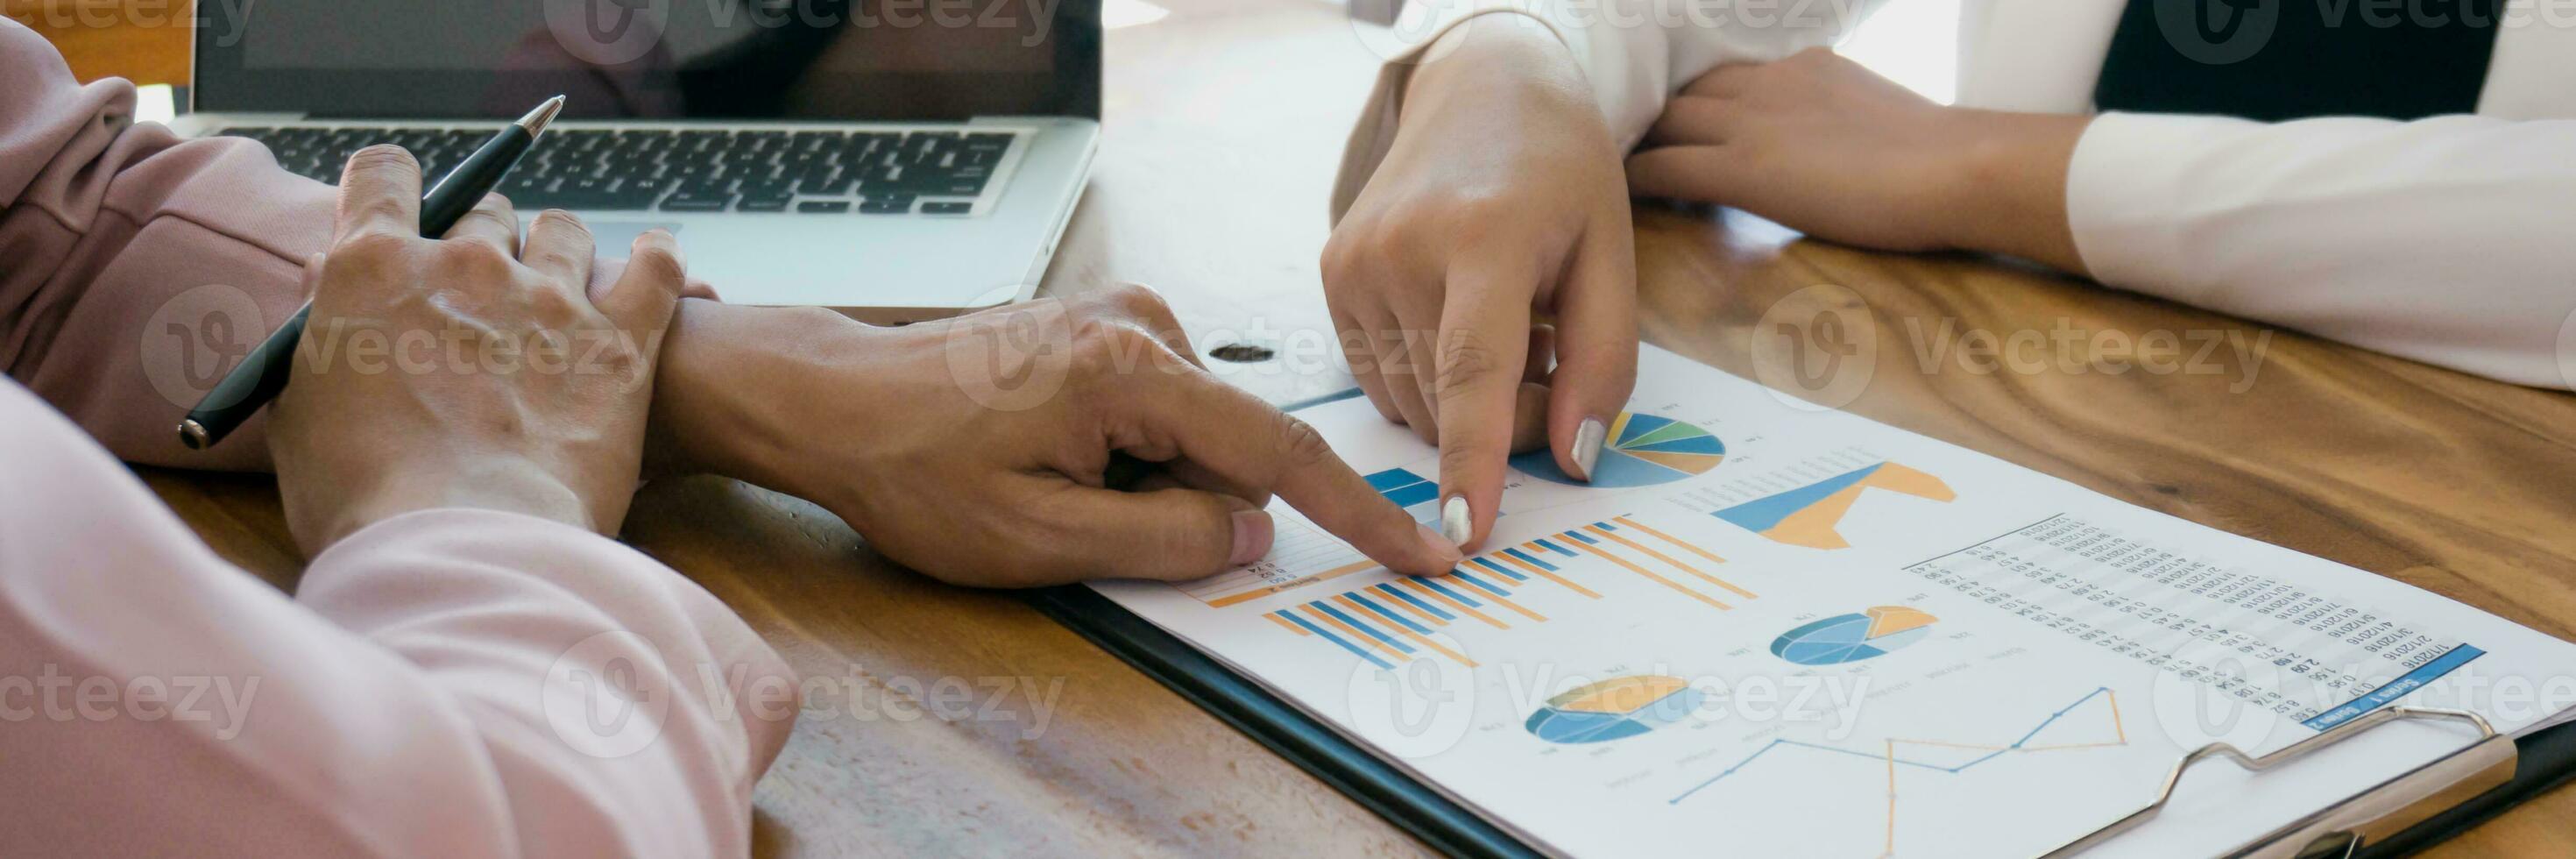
x=1225, y=122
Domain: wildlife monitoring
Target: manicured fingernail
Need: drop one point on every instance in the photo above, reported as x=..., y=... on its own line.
x=1587, y=447
x=1455, y=522
x=1252, y=533
x=1446, y=548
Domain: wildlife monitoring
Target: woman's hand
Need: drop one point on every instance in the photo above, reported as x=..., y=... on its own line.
x=1824, y=146
x=469, y=372
x=1054, y=441
x=1500, y=198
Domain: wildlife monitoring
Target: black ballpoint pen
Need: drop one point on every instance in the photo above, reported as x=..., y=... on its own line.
x=262, y=373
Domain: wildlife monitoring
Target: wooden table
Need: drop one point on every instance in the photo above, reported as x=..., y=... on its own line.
x=1225, y=121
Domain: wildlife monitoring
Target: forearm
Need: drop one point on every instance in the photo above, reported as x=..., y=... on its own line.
x=723, y=373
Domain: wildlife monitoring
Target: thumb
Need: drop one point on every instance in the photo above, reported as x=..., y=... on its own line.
x=1167, y=534
x=1596, y=345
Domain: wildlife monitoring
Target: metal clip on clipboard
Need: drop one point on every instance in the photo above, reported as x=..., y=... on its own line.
x=2382, y=810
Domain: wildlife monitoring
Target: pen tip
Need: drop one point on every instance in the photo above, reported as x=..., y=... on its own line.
x=535, y=121
x=193, y=435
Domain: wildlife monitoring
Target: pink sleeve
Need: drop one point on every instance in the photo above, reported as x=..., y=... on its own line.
x=446, y=683
x=134, y=265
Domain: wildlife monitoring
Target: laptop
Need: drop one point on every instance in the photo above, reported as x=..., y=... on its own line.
x=895, y=159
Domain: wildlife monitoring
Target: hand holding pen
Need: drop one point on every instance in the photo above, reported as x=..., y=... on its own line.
x=263, y=373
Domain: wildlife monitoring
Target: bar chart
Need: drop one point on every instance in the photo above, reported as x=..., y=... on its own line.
x=1393, y=621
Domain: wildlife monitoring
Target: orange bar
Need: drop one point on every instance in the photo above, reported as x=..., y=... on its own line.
x=1248, y=596
x=1668, y=538
x=1354, y=606
x=1581, y=546
x=1363, y=637
x=1283, y=623
x=1542, y=572
x=1461, y=607
x=2115, y=716
x=1596, y=531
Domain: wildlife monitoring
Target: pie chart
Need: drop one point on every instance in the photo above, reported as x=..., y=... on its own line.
x=1642, y=450
x=1613, y=709
x=1854, y=637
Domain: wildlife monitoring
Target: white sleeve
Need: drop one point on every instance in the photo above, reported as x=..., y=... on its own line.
x=2444, y=240
x=1635, y=53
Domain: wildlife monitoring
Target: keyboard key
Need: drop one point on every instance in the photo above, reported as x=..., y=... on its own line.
x=823, y=206
x=939, y=208
x=886, y=207
x=697, y=201
x=763, y=204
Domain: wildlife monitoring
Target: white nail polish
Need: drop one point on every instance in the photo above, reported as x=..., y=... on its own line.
x=1587, y=446
x=1455, y=523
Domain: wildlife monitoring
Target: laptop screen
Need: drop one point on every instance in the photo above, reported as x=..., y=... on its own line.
x=651, y=59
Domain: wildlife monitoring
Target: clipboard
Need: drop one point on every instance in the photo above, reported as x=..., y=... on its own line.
x=2488, y=775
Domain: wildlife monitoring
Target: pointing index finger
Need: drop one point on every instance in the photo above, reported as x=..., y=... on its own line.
x=1234, y=433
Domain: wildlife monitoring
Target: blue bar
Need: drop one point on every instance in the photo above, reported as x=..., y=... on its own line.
x=1355, y=651
x=1461, y=575
x=1605, y=526
x=1578, y=535
x=1355, y=623
x=1417, y=602
x=1470, y=601
x=1392, y=478
x=2411, y=681
x=1398, y=617
x=1552, y=547
x=1490, y=565
x=1409, y=495
x=1525, y=556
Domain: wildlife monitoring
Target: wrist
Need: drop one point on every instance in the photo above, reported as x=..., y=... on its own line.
x=728, y=378
x=2008, y=185
x=1494, y=58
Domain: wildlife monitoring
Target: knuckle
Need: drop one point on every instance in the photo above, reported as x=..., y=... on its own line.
x=371, y=247
x=1142, y=303
x=1300, y=445
x=1467, y=358
x=660, y=265
x=1102, y=360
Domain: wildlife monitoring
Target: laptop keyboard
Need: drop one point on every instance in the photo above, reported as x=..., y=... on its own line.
x=695, y=170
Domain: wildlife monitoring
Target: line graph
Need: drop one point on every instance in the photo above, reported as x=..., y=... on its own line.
x=1887, y=753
